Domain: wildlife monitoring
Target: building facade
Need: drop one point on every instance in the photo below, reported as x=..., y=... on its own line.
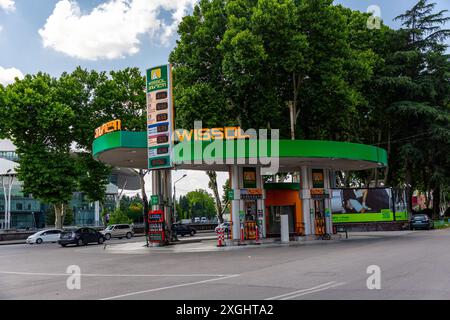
x=29, y=213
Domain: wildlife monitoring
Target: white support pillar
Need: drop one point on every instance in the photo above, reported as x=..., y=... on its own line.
x=327, y=186
x=305, y=195
x=284, y=219
x=235, y=203
x=5, y=221
x=11, y=181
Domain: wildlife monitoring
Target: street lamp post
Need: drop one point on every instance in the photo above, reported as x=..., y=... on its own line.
x=175, y=198
x=6, y=203
x=7, y=193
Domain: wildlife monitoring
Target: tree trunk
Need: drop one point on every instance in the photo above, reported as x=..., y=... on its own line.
x=386, y=170
x=58, y=215
x=213, y=186
x=409, y=187
x=436, y=202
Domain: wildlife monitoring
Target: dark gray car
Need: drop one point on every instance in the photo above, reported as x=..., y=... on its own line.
x=421, y=221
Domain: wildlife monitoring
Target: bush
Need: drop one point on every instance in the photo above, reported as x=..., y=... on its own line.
x=118, y=216
x=447, y=213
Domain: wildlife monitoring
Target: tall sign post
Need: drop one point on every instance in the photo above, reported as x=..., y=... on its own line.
x=160, y=127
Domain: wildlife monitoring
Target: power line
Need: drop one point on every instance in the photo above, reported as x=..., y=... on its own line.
x=404, y=138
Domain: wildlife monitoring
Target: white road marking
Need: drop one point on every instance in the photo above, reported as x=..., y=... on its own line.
x=313, y=291
x=169, y=287
x=320, y=287
x=118, y=275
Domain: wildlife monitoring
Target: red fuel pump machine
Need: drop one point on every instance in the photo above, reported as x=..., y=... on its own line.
x=156, y=229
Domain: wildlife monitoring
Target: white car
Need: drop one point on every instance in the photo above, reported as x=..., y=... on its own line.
x=118, y=231
x=50, y=235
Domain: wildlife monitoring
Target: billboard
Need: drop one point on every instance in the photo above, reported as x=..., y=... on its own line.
x=365, y=205
x=159, y=117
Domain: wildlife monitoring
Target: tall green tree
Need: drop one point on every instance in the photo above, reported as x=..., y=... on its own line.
x=40, y=125
x=420, y=106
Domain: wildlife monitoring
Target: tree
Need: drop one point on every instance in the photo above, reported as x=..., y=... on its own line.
x=201, y=203
x=183, y=208
x=213, y=186
x=92, y=177
x=118, y=216
x=420, y=106
x=39, y=122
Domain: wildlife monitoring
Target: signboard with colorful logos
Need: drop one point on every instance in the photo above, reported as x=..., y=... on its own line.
x=251, y=194
x=159, y=117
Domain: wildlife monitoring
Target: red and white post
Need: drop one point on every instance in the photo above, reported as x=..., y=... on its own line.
x=221, y=237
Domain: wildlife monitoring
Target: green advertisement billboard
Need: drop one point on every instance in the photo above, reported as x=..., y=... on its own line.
x=351, y=205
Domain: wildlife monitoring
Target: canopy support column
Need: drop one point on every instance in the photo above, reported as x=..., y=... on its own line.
x=235, y=203
x=305, y=195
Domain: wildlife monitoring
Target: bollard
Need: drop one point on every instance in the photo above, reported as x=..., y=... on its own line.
x=241, y=241
x=257, y=236
x=221, y=237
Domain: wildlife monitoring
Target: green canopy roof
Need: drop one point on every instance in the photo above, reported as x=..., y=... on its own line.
x=129, y=149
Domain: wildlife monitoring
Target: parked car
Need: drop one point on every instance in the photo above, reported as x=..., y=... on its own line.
x=196, y=219
x=50, y=235
x=421, y=221
x=204, y=220
x=80, y=236
x=118, y=231
x=226, y=226
x=183, y=229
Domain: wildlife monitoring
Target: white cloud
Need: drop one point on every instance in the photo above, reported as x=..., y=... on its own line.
x=112, y=29
x=1, y=28
x=7, y=76
x=7, y=5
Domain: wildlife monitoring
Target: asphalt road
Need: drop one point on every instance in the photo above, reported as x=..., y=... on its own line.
x=414, y=265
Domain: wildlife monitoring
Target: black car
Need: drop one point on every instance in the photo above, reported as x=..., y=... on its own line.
x=421, y=221
x=80, y=236
x=183, y=229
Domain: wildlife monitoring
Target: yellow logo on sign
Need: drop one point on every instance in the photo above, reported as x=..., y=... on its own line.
x=156, y=74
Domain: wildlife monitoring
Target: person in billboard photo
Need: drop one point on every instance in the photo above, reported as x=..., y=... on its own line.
x=365, y=200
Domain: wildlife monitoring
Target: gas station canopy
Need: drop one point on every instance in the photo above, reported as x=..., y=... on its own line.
x=129, y=149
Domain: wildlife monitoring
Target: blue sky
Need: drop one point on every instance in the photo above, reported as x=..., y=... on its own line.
x=22, y=47
x=57, y=35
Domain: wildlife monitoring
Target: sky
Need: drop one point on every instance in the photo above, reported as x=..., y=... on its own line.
x=54, y=36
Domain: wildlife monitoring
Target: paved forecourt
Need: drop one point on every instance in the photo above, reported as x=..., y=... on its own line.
x=325, y=270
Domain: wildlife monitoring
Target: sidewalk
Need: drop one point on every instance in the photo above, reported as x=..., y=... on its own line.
x=7, y=242
x=185, y=239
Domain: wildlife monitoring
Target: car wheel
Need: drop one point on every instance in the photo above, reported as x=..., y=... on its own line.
x=192, y=233
x=129, y=235
x=107, y=236
x=80, y=242
x=38, y=240
x=101, y=240
x=63, y=245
